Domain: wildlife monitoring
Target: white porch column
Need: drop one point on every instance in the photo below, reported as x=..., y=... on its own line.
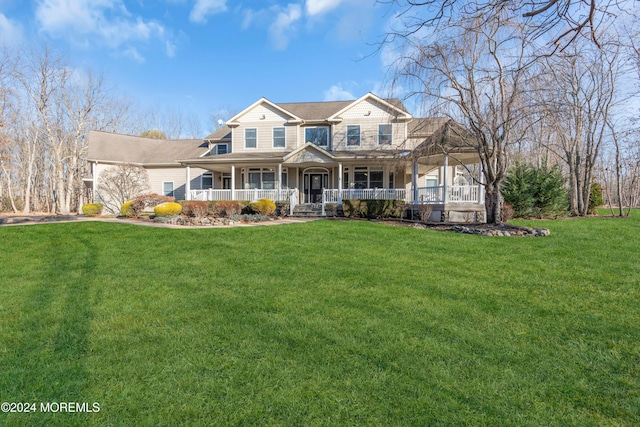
x=279, y=179
x=480, y=181
x=95, y=183
x=445, y=166
x=339, y=182
x=414, y=182
x=187, y=186
x=233, y=182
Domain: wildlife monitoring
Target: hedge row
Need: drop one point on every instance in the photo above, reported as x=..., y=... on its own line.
x=361, y=208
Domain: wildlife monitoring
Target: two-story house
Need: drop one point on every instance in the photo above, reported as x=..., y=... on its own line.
x=322, y=152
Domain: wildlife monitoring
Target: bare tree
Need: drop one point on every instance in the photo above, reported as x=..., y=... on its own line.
x=583, y=84
x=121, y=183
x=560, y=22
x=476, y=73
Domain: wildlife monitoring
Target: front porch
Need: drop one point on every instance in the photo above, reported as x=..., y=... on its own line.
x=443, y=199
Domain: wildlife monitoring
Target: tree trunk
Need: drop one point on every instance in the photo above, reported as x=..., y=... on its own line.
x=493, y=205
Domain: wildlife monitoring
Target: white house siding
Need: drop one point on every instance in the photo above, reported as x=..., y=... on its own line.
x=157, y=176
x=368, y=115
x=264, y=126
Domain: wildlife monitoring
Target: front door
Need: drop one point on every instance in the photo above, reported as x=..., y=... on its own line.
x=315, y=188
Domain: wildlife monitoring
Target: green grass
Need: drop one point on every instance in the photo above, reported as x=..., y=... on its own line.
x=323, y=323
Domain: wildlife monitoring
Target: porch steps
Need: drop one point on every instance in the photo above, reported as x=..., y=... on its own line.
x=308, y=210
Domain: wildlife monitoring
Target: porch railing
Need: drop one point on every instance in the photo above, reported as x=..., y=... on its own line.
x=252, y=194
x=455, y=194
x=426, y=195
x=336, y=195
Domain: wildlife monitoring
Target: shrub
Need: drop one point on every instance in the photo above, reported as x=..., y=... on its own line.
x=167, y=209
x=282, y=208
x=226, y=208
x=195, y=208
x=507, y=212
x=424, y=211
x=361, y=208
x=127, y=209
x=595, y=198
x=535, y=191
x=92, y=209
x=135, y=206
x=264, y=207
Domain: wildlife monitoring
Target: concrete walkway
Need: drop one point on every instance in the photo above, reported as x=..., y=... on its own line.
x=11, y=220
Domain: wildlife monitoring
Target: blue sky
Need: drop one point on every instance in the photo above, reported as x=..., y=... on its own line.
x=203, y=56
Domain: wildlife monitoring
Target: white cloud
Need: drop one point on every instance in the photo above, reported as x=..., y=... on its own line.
x=132, y=53
x=170, y=49
x=96, y=22
x=338, y=93
x=203, y=8
x=10, y=32
x=283, y=25
x=319, y=7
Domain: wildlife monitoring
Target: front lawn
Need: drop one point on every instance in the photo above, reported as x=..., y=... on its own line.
x=322, y=323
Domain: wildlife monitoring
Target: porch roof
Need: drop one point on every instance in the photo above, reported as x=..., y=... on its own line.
x=302, y=156
x=450, y=138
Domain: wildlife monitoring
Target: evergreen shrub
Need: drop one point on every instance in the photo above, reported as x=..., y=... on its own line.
x=535, y=191
x=167, y=209
x=127, y=209
x=92, y=209
x=362, y=208
x=263, y=207
x=595, y=198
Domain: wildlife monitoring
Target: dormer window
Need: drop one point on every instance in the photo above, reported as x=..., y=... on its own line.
x=222, y=148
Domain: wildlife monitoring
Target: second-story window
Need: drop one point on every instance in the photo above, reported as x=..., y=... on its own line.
x=384, y=134
x=318, y=136
x=279, y=138
x=353, y=135
x=251, y=138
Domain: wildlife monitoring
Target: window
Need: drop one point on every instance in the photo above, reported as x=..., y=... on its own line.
x=222, y=148
x=167, y=188
x=206, y=181
x=384, y=134
x=364, y=177
x=264, y=178
x=345, y=178
x=353, y=135
x=254, y=180
x=251, y=138
x=361, y=177
x=226, y=181
x=279, y=138
x=376, y=179
x=392, y=181
x=318, y=136
x=432, y=181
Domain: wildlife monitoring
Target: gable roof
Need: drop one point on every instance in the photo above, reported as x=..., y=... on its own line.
x=390, y=105
x=117, y=148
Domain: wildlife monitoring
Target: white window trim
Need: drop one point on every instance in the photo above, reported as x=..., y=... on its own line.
x=245, y=139
x=202, y=179
x=173, y=188
x=359, y=144
x=273, y=142
x=328, y=128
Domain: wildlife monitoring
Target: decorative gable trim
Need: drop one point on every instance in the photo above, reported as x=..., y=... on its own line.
x=401, y=114
x=309, y=152
x=233, y=122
